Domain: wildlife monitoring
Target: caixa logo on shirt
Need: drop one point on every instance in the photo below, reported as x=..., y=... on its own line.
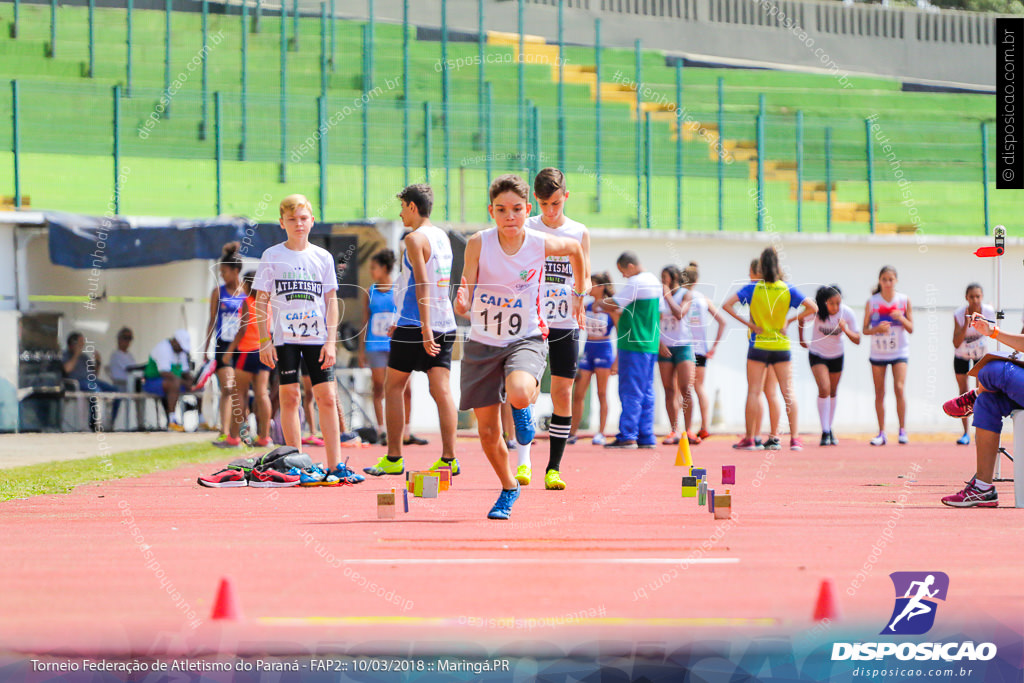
x=916, y=605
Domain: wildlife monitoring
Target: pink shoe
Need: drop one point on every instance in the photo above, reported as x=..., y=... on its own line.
x=972, y=496
x=746, y=444
x=313, y=441
x=962, y=405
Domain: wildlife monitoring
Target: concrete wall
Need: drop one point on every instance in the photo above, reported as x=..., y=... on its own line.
x=949, y=47
x=932, y=271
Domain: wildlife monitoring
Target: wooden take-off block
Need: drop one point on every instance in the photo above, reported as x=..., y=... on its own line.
x=689, y=487
x=723, y=507
x=728, y=474
x=385, y=506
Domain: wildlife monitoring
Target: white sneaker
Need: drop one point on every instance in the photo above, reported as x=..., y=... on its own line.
x=879, y=440
x=598, y=440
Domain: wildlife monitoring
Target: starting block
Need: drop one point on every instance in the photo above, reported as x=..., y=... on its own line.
x=723, y=506
x=689, y=487
x=385, y=505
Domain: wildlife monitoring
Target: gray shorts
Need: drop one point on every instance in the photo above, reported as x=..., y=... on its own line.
x=485, y=367
x=377, y=359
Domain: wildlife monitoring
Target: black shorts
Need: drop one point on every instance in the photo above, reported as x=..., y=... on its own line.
x=221, y=358
x=701, y=360
x=962, y=365
x=291, y=356
x=834, y=365
x=768, y=356
x=408, y=355
x=890, y=361
x=563, y=352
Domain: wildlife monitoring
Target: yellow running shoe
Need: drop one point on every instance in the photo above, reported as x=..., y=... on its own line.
x=385, y=466
x=523, y=475
x=553, y=481
x=454, y=464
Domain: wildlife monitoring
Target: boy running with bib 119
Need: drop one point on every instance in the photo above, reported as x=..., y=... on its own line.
x=506, y=353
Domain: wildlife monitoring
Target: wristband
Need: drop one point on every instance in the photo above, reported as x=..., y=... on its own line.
x=995, y=331
x=579, y=294
x=264, y=340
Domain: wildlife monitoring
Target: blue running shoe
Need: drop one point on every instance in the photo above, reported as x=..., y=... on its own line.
x=314, y=476
x=964, y=440
x=344, y=473
x=503, y=508
x=523, y=419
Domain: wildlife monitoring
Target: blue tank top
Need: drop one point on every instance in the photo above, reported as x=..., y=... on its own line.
x=599, y=325
x=382, y=317
x=228, y=314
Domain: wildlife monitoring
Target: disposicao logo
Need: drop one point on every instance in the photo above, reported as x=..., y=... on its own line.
x=916, y=595
x=913, y=614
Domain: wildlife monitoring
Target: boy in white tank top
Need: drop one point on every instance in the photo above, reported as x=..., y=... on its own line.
x=558, y=310
x=506, y=353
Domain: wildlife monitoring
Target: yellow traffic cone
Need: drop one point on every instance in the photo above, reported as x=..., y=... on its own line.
x=683, y=457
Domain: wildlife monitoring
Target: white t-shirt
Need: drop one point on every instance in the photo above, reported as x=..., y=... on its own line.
x=297, y=282
x=974, y=345
x=674, y=332
x=506, y=299
x=826, y=338
x=557, y=288
x=165, y=358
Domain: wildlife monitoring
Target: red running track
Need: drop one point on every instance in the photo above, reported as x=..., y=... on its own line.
x=116, y=568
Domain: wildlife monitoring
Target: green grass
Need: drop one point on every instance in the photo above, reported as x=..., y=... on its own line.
x=45, y=478
x=935, y=137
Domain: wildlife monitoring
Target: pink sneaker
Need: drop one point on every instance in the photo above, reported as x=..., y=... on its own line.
x=972, y=496
x=746, y=444
x=962, y=405
x=796, y=444
x=313, y=441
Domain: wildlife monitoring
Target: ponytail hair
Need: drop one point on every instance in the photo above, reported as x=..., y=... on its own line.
x=229, y=256
x=690, y=274
x=770, y=265
x=604, y=280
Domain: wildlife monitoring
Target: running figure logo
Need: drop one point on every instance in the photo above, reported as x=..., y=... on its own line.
x=916, y=593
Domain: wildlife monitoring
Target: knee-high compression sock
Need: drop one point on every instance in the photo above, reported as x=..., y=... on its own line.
x=825, y=413
x=523, y=453
x=558, y=432
x=832, y=411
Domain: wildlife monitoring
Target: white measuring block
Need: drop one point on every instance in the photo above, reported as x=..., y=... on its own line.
x=1018, y=458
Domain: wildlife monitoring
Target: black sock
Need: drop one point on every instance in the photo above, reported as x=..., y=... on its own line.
x=394, y=459
x=558, y=432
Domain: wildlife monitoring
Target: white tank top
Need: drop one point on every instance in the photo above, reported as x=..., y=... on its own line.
x=974, y=346
x=896, y=342
x=674, y=331
x=506, y=300
x=439, y=273
x=698, y=319
x=558, y=284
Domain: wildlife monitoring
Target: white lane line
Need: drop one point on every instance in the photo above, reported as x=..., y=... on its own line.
x=537, y=560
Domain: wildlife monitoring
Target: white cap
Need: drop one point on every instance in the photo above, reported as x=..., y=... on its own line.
x=184, y=341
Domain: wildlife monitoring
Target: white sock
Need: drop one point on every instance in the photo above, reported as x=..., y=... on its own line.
x=832, y=411
x=981, y=486
x=825, y=413
x=523, y=452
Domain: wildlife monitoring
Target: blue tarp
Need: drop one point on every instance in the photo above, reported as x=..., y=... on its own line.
x=84, y=242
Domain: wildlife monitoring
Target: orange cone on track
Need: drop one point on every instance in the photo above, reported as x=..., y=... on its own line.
x=225, y=606
x=826, y=607
x=683, y=457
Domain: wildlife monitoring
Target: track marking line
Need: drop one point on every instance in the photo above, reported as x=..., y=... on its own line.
x=535, y=560
x=537, y=621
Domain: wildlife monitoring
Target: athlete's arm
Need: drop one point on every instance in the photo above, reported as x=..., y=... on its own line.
x=268, y=354
x=586, y=253
x=673, y=307
x=810, y=307
x=214, y=304
x=853, y=335
x=1014, y=341
x=906, y=319
x=417, y=250
x=882, y=327
x=720, y=319
x=727, y=306
x=464, y=297
x=959, y=331
x=560, y=246
x=329, y=352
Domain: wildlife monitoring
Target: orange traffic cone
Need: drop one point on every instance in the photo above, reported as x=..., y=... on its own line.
x=826, y=607
x=683, y=457
x=225, y=606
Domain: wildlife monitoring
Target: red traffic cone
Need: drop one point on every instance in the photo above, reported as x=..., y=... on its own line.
x=225, y=606
x=826, y=607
